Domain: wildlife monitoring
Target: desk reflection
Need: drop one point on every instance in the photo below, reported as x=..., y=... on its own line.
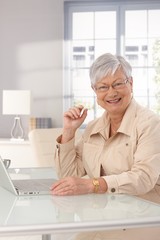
x=72, y=209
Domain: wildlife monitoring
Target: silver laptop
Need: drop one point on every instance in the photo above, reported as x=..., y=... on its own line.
x=24, y=186
x=8, y=201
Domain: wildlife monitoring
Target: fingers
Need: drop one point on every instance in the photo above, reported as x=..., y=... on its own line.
x=62, y=188
x=65, y=191
x=72, y=186
x=76, y=112
x=84, y=113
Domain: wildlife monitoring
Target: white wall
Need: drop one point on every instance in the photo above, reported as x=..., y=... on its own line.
x=31, y=56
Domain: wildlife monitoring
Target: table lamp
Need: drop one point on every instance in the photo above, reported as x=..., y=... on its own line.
x=16, y=102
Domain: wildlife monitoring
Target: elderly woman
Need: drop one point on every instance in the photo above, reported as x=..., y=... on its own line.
x=120, y=151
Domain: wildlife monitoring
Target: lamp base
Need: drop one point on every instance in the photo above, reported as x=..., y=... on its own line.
x=17, y=133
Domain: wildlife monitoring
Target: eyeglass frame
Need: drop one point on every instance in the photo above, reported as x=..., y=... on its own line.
x=116, y=86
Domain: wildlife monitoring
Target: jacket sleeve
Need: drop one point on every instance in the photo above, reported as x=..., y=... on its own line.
x=68, y=160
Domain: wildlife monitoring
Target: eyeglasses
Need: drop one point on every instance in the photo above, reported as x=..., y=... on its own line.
x=119, y=84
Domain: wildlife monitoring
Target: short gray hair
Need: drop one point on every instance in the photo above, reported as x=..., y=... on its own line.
x=108, y=64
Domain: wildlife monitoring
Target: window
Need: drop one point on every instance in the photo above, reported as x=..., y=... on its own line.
x=132, y=31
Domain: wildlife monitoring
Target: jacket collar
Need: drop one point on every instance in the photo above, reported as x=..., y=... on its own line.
x=103, y=122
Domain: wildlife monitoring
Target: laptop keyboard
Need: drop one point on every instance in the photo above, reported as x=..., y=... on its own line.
x=33, y=184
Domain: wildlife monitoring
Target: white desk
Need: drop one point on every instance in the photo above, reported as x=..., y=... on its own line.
x=45, y=215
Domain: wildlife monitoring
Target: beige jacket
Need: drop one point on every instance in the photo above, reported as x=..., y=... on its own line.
x=130, y=159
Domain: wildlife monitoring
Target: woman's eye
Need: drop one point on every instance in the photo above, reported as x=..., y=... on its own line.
x=120, y=83
x=117, y=84
x=103, y=87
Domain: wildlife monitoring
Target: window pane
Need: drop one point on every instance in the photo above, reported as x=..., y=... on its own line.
x=81, y=82
x=83, y=25
x=142, y=44
x=83, y=93
x=136, y=51
x=105, y=24
x=153, y=23
x=136, y=24
x=83, y=53
x=140, y=83
x=154, y=50
x=103, y=46
x=145, y=87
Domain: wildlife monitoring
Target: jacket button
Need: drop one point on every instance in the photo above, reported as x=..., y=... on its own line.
x=113, y=190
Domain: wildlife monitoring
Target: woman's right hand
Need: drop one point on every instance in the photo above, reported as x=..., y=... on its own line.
x=72, y=120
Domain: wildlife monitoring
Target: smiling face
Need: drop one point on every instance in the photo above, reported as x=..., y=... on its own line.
x=114, y=93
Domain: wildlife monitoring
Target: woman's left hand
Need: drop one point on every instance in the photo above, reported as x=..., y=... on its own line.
x=72, y=186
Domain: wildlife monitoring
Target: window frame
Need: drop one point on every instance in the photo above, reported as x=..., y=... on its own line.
x=120, y=7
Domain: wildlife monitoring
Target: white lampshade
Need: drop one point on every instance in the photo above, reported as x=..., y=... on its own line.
x=16, y=102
